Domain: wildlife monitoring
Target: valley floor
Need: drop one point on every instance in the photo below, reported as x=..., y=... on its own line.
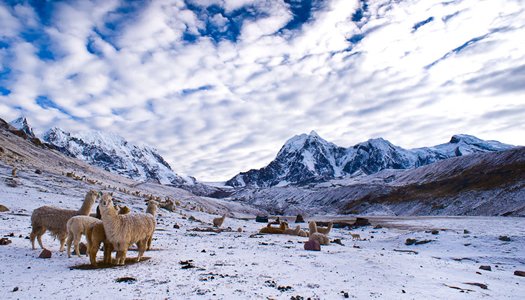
x=241, y=265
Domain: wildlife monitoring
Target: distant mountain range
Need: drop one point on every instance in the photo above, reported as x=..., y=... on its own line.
x=308, y=158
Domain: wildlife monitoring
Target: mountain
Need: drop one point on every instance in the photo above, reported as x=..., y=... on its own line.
x=113, y=153
x=22, y=124
x=480, y=184
x=308, y=158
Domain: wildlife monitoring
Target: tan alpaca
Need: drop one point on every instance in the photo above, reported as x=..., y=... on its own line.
x=325, y=230
x=76, y=226
x=125, y=230
x=13, y=172
x=355, y=236
x=55, y=220
x=95, y=235
x=314, y=235
x=152, y=210
x=217, y=222
x=273, y=230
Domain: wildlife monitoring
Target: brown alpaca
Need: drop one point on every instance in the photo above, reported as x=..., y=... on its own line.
x=325, y=230
x=55, y=220
x=217, y=222
x=273, y=230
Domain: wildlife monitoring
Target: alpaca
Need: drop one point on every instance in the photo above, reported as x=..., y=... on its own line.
x=314, y=235
x=273, y=230
x=290, y=231
x=125, y=230
x=355, y=236
x=76, y=226
x=325, y=230
x=152, y=210
x=55, y=220
x=95, y=235
x=217, y=222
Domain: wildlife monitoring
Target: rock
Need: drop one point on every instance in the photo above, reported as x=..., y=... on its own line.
x=261, y=219
x=312, y=246
x=3, y=208
x=504, y=238
x=486, y=268
x=435, y=231
x=423, y=242
x=338, y=241
x=239, y=229
x=465, y=231
x=299, y=219
x=37, y=171
x=45, y=254
x=82, y=248
x=519, y=273
x=126, y=279
x=378, y=227
x=12, y=182
x=410, y=241
x=192, y=218
x=361, y=222
x=481, y=285
x=15, y=289
x=5, y=241
x=176, y=226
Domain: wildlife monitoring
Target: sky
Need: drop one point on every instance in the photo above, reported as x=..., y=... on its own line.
x=218, y=86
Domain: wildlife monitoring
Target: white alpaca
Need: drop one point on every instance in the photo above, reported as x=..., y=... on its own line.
x=217, y=222
x=316, y=236
x=125, y=230
x=55, y=220
x=76, y=226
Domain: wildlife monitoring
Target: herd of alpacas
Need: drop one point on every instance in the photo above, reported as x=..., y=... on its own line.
x=118, y=228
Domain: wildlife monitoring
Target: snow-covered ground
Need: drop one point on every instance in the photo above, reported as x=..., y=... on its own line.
x=240, y=265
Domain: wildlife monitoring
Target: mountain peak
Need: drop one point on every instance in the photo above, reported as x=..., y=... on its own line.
x=22, y=124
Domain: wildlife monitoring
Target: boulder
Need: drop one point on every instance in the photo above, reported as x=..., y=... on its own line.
x=361, y=222
x=299, y=219
x=312, y=245
x=3, y=208
x=486, y=268
x=261, y=219
x=519, y=273
x=45, y=254
x=5, y=241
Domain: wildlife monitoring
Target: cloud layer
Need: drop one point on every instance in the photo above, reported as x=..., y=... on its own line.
x=218, y=86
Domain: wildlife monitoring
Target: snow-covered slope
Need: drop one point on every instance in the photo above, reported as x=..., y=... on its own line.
x=309, y=158
x=115, y=154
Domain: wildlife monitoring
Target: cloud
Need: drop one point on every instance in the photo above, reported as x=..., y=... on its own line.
x=218, y=86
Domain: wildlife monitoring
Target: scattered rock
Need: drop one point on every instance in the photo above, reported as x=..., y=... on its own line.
x=192, y=218
x=82, y=248
x=481, y=285
x=357, y=247
x=239, y=229
x=126, y=279
x=37, y=171
x=345, y=294
x=176, y=226
x=261, y=219
x=504, y=238
x=299, y=219
x=12, y=182
x=378, y=227
x=338, y=241
x=435, y=231
x=187, y=264
x=486, y=268
x=359, y=222
x=466, y=231
x=15, y=289
x=298, y=297
x=312, y=246
x=3, y=208
x=45, y=254
x=5, y=241
x=283, y=288
x=519, y=273
x=410, y=241
x=423, y=242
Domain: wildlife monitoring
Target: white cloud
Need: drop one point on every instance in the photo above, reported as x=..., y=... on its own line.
x=216, y=107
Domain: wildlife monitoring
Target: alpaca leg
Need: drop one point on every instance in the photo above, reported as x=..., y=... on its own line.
x=62, y=242
x=39, y=234
x=77, y=242
x=69, y=241
x=108, y=248
x=149, y=243
x=32, y=237
x=93, y=254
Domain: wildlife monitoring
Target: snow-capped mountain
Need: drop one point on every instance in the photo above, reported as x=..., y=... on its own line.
x=308, y=158
x=115, y=154
x=22, y=124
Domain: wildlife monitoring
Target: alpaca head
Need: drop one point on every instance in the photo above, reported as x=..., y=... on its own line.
x=92, y=195
x=285, y=224
x=123, y=210
x=106, y=203
x=312, y=226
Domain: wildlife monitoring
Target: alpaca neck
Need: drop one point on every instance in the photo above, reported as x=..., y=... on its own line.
x=86, y=206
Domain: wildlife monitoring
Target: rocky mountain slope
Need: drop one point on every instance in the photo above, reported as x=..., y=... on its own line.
x=477, y=184
x=309, y=158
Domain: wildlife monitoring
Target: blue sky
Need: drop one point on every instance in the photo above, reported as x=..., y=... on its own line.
x=218, y=86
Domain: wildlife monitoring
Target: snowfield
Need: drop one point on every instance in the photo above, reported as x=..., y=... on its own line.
x=243, y=265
